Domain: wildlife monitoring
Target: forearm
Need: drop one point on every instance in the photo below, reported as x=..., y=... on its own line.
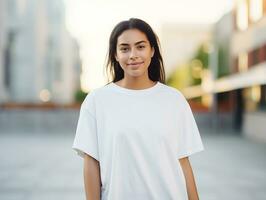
x=92, y=180
x=189, y=177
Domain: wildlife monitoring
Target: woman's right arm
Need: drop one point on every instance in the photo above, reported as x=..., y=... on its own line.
x=92, y=178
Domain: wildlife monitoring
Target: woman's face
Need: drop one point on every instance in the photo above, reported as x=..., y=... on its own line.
x=134, y=53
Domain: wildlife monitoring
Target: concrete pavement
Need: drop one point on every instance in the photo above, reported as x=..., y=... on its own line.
x=42, y=166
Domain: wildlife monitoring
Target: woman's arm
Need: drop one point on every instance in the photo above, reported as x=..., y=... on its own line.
x=190, y=182
x=92, y=179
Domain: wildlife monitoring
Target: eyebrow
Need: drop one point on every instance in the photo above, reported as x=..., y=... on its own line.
x=125, y=44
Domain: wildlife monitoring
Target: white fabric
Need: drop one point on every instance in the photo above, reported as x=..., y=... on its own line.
x=138, y=137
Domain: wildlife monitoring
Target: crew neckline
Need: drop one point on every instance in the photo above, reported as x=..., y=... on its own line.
x=135, y=91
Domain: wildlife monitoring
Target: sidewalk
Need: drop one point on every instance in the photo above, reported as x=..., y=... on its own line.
x=230, y=168
x=42, y=166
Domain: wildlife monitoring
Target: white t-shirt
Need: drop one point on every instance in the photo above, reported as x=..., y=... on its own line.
x=138, y=136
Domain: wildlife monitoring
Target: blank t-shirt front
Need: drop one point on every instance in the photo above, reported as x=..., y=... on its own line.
x=138, y=137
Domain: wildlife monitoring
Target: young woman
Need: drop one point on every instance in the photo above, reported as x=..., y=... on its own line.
x=136, y=133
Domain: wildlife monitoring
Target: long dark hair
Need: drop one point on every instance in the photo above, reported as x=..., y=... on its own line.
x=156, y=68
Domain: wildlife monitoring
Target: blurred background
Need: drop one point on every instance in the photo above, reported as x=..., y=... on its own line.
x=53, y=52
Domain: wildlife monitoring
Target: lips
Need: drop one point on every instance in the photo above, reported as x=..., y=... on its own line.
x=135, y=63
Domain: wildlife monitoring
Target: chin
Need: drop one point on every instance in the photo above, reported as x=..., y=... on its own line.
x=136, y=74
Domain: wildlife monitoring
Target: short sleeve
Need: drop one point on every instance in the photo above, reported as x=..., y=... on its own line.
x=85, y=140
x=189, y=137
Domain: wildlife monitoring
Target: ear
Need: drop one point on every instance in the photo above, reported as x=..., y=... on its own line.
x=152, y=53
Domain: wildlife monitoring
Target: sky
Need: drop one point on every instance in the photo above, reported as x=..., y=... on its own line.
x=91, y=23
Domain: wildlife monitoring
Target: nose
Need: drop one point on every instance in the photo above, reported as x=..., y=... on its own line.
x=133, y=53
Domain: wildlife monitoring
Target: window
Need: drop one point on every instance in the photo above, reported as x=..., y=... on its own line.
x=243, y=62
x=256, y=10
x=242, y=15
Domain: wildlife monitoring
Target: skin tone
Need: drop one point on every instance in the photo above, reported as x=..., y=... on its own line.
x=92, y=178
x=134, y=54
x=189, y=177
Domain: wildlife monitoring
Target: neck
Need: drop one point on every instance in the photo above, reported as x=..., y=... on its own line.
x=136, y=83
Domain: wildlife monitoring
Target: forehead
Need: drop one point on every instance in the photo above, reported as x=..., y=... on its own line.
x=131, y=36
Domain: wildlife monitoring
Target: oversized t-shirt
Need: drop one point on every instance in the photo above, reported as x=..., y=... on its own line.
x=138, y=137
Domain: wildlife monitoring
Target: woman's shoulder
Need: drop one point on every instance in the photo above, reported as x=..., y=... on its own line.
x=93, y=96
x=97, y=92
x=177, y=97
x=172, y=91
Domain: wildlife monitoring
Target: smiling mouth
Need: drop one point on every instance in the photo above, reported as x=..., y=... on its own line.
x=135, y=64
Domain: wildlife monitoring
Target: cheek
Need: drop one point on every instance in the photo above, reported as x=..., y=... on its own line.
x=120, y=57
x=148, y=58
x=122, y=61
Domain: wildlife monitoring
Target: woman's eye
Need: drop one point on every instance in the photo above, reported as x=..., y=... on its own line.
x=141, y=47
x=124, y=49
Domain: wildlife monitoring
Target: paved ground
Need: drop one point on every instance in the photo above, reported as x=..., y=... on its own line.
x=42, y=166
x=230, y=168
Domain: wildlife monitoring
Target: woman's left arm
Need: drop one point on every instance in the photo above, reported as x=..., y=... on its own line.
x=190, y=181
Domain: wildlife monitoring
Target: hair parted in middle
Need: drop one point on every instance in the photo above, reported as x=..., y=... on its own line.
x=156, y=68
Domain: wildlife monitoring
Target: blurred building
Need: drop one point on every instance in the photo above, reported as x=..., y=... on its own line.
x=42, y=62
x=4, y=83
x=248, y=51
x=63, y=56
x=238, y=69
x=231, y=73
x=222, y=104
